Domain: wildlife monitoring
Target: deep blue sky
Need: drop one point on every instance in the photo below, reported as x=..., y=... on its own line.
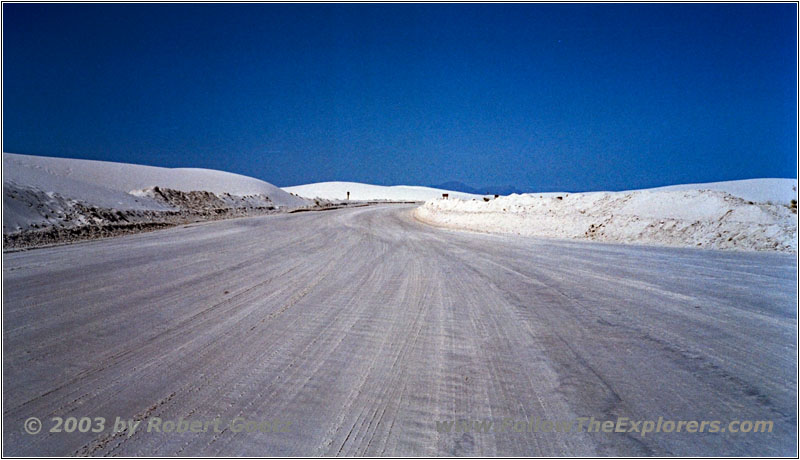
x=571, y=97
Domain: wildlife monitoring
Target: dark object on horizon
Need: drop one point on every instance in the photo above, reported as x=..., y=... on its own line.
x=348, y=196
x=492, y=190
x=445, y=195
x=496, y=196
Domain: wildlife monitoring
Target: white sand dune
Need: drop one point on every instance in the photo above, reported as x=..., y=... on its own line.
x=746, y=215
x=84, y=177
x=367, y=192
x=43, y=191
x=777, y=191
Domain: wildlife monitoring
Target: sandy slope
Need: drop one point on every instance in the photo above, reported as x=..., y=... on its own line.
x=777, y=191
x=698, y=215
x=358, y=191
x=42, y=192
x=48, y=173
x=364, y=328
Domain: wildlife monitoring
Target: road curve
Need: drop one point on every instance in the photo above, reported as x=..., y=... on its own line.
x=361, y=328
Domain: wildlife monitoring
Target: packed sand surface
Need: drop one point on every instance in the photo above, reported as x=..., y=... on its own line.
x=745, y=215
x=364, y=328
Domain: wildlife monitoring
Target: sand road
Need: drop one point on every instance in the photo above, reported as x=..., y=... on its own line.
x=356, y=330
